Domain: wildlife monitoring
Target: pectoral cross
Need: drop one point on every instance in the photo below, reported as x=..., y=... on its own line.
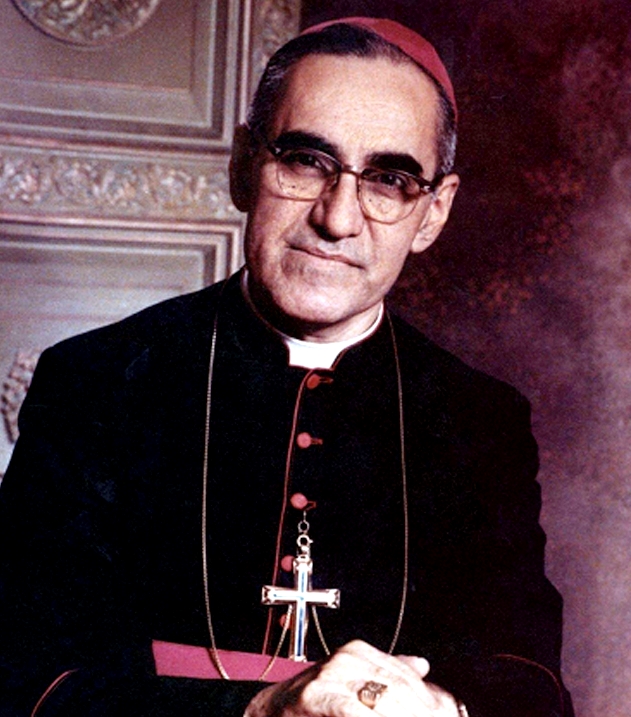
x=300, y=596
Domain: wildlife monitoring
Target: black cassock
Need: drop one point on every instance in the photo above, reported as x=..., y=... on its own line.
x=101, y=517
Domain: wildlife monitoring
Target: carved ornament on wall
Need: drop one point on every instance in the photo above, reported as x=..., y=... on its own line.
x=88, y=22
x=15, y=388
x=103, y=187
x=278, y=21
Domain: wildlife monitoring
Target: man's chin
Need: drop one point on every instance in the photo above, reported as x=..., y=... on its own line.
x=301, y=318
x=312, y=317
x=301, y=309
x=317, y=301
x=324, y=323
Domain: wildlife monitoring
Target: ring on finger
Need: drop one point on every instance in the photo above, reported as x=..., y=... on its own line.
x=370, y=693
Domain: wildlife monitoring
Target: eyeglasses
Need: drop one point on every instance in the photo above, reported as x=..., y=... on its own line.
x=385, y=195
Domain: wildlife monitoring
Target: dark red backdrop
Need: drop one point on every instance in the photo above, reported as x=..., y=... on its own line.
x=531, y=279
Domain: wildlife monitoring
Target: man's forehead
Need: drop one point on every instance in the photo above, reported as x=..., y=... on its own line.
x=409, y=42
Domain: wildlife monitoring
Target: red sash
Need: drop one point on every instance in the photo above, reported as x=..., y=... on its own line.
x=174, y=660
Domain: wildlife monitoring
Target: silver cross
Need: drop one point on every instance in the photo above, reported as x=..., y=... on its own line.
x=300, y=596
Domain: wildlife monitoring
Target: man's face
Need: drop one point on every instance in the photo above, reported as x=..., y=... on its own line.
x=320, y=269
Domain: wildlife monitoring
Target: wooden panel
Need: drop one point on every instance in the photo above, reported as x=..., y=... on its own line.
x=172, y=81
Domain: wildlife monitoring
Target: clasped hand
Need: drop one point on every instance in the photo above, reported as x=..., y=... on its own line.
x=354, y=679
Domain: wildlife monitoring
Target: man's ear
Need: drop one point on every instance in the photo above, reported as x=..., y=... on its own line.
x=437, y=213
x=241, y=168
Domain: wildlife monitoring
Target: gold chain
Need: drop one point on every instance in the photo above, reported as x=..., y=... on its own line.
x=404, y=486
x=213, y=651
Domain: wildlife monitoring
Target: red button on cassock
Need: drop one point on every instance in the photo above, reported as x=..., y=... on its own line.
x=313, y=381
x=298, y=501
x=305, y=440
x=287, y=563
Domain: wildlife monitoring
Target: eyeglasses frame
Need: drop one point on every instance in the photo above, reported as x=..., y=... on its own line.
x=426, y=186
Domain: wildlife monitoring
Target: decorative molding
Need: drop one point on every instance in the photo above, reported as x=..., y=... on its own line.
x=65, y=183
x=102, y=182
x=15, y=388
x=88, y=22
x=276, y=22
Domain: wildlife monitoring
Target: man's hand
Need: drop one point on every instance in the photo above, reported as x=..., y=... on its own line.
x=332, y=689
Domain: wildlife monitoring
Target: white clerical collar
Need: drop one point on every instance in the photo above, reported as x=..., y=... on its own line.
x=311, y=354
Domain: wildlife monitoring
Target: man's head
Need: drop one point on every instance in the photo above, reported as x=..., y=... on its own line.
x=344, y=168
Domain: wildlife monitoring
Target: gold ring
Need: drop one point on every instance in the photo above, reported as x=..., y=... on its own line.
x=370, y=693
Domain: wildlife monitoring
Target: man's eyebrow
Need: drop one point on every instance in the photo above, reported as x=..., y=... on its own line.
x=295, y=139
x=396, y=161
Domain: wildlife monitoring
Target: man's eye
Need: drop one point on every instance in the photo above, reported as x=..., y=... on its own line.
x=392, y=179
x=386, y=181
x=301, y=160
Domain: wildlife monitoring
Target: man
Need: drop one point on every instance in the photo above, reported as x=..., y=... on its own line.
x=171, y=465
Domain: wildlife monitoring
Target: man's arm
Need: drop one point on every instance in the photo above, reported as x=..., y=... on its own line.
x=69, y=639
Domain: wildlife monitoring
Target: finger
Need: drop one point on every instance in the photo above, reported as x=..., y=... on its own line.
x=400, y=705
x=361, y=662
x=440, y=704
x=388, y=668
x=398, y=701
x=323, y=698
x=419, y=664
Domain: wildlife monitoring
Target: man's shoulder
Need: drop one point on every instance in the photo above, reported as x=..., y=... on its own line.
x=428, y=367
x=99, y=363
x=169, y=321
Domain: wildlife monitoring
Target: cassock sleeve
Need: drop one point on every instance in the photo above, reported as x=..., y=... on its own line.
x=499, y=641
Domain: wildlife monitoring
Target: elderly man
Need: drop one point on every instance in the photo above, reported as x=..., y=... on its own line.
x=283, y=431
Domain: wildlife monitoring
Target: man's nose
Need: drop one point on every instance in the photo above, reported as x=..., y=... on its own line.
x=338, y=213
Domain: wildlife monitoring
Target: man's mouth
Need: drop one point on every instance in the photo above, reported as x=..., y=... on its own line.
x=327, y=256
